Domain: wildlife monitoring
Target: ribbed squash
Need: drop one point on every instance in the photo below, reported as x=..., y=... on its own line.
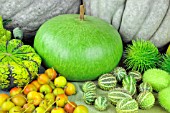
x=18, y=64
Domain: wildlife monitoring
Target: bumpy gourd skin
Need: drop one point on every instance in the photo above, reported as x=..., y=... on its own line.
x=4, y=34
x=18, y=64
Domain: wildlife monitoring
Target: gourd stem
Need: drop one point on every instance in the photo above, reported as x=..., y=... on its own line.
x=82, y=12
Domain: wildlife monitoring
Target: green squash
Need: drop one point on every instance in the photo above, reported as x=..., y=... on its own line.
x=18, y=64
x=78, y=49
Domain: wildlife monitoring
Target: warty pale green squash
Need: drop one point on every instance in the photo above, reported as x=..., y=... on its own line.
x=79, y=49
x=146, y=19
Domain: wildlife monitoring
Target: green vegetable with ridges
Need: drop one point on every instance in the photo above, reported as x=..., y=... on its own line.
x=107, y=82
x=18, y=64
x=118, y=94
x=89, y=86
x=101, y=103
x=129, y=83
x=127, y=105
x=145, y=100
x=120, y=73
x=89, y=97
x=136, y=74
x=144, y=86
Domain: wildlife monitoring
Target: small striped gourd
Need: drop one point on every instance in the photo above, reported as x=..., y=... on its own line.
x=127, y=105
x=89, y=86
x=107, y=82
x=145, y=100
x=136, y=74
x=129, y=83
x=120, y=73
x=118, y=94
x=101, y=103
x=89, y=97
x=144, y=86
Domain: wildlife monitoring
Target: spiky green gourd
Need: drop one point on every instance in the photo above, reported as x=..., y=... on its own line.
x=89, y=86
x=89, y=97
x=129, y=83
x=165, y=65
x=101, y=103
x=141, y=55
x=118, y=94
x=145, y=100
x=19, y=64
x=164, y=98
x=136, y=74
x=120, y=73
x=4, y=34
x=144, y=86
x=157, y=78
x=107, y=82
x=127, y=105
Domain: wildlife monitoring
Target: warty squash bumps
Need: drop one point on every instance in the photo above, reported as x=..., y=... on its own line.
x=18, y=64
x=78, y=49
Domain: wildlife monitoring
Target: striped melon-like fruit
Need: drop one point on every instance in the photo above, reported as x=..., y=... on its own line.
x=89, y=86
x=120, y=73
x=89, y=97
x=127, y=105
x=118, y=94
x=101, y=103
x=129, y=83
x=145, y=100
x=107, y=82
x=144, y=86
x=136, y=74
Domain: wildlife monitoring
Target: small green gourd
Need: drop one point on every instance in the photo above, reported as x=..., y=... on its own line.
x=107, y=82
x=144, y=86
x=129, y=83
x=101, y=103
x=119, y=73
x=89, y=97
x=145, y=100
x=89, y=86
x=118, y=94
x=136, y=74
x=127, y=105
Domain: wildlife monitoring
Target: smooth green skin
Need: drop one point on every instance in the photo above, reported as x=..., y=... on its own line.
x=78, y=49
x=164, y=98
x=157, y=78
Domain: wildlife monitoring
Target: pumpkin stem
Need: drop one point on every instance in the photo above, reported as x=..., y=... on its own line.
x=82, y=12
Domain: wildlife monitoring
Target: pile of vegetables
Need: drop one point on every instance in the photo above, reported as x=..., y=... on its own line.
x=81, y=49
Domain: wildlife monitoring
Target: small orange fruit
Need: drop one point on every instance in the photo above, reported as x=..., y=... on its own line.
x=70, y=89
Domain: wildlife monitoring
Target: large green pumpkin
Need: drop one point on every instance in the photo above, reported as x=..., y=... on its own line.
x=18, y=64
x=78, y=49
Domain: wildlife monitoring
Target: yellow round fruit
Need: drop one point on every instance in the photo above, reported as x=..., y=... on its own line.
x=60, y=82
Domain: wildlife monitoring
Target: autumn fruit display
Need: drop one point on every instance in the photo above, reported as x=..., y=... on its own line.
x=39, y=97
